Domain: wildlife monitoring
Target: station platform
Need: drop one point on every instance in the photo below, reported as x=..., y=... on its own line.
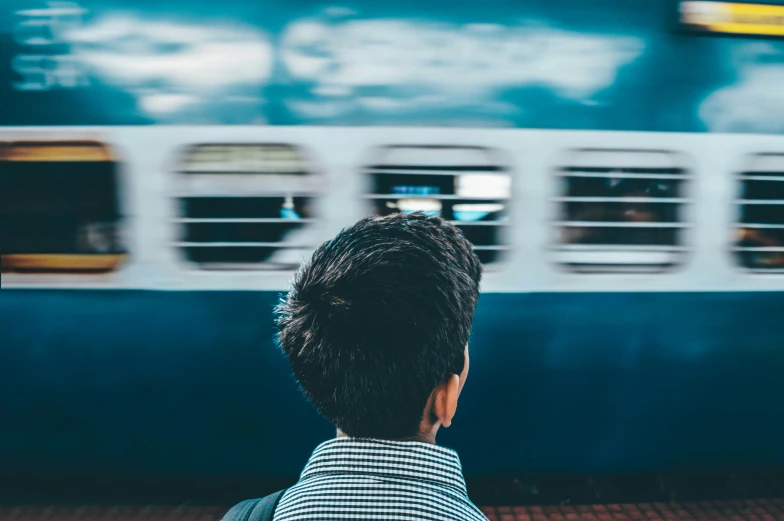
x=749, y=510
x=743, y=510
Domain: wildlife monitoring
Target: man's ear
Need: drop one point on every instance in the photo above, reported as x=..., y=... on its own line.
x=446, y=394
x=445, y=400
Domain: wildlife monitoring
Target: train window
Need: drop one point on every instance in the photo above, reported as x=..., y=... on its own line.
x=759, y=241
x=620, y=211
x=467, y=186
x=244, y=206
x=59, y=207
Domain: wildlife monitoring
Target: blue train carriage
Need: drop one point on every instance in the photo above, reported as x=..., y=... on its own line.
x=164, y=172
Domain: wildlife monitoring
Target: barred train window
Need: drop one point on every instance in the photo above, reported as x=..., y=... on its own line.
x=244, y=206
x=465, y=185
x=59, y=208
x=620, y=211
x=759, y=242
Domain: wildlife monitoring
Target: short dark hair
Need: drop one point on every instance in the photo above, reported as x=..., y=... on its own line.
x=378, y=318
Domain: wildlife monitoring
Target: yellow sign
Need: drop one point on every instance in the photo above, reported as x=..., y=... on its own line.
x=733, y=18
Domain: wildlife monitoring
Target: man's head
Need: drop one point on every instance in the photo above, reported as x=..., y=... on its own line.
x=377, y=323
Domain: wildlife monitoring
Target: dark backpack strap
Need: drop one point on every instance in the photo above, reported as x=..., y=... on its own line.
x=255, y=509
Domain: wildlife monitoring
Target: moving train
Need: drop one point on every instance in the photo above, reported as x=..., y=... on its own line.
x=618, y=166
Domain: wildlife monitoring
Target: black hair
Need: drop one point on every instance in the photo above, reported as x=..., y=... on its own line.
x=378, y=318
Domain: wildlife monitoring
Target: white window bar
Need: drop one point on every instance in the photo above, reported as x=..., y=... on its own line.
x=759, y=230
x=620, y=211
x=467, y=186
x=244, y=206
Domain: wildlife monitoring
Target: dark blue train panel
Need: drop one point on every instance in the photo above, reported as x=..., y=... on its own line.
x=150, y=383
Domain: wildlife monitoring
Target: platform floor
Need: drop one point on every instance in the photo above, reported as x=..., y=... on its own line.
x=750, y=510
x=747, y=510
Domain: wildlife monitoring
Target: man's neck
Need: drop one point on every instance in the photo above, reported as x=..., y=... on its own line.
x=429, y=437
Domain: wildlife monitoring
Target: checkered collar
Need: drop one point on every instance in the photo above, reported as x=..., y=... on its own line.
x=412, y=460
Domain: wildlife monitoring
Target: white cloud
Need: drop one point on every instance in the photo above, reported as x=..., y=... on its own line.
x=207, y=65
x=392, y=104
x=305, y=48
x=320, y=110
x=382, y=104
x=175, y=66
x=755, y=103
x=184, y=64
x=166, y=103
x=331, y=90
x=470, y=60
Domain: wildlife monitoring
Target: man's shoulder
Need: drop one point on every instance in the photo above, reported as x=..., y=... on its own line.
x=260, y=509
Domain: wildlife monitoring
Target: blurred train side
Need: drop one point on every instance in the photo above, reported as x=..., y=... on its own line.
x=161, y=369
